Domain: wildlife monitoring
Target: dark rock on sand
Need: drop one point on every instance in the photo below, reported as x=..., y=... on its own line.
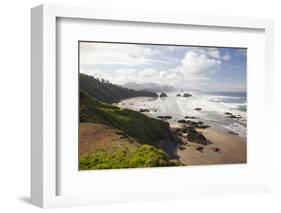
x=184, y=130
x=230, y=115
x=188, y=122
x=191, y=117
x=189, y=134
x=200, y=149
x=178, y=95
x=233, y=133
x=215, y=149
x=198, y=109
x=182, y=121
x=195, y=124
x=144, y=110
x=186, y=95
x=163, y=95
x=196, y=137
x=201, y=126
x=164, y=117
x=234, y=116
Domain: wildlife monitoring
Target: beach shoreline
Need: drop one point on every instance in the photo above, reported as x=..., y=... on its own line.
x=211, y=111
x=225, y=146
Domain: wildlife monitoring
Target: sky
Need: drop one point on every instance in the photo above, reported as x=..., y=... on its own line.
x=183, y=67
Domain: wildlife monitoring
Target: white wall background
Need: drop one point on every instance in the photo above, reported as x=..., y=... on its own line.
x=15, y=104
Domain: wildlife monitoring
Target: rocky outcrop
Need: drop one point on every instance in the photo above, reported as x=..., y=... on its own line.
x=200, y=149
x=196, y=137
x=164, y=117
x=144, y=110
x=201, y=125
x=232, y=133
x=186, y=95
x=163, y=95
x=216, y=149
x=234, y=116
x=190, y=117
x=195, y=124
x=189, y=134
x=182, y=121
x=230, y=115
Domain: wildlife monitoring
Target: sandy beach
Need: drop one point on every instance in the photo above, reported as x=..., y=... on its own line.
x=224, y=148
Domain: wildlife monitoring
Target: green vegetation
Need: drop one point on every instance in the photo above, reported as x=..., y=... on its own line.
x=135, y=124
x=96, y=97
x=109, y=93
x=144, y=156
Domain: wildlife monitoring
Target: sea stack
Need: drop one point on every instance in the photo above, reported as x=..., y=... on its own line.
x=186, y=95
x=163, y=95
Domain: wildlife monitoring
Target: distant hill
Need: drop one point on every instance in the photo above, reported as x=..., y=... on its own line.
x=107, y=92
x=152, y=87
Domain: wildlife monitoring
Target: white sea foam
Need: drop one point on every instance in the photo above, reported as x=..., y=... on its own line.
x=212, y=113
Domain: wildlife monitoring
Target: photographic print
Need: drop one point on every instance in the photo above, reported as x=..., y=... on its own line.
x=158, y=105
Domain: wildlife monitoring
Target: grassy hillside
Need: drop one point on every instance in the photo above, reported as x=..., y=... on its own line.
x=107, y=92
x=135, y=124
x=146, y=151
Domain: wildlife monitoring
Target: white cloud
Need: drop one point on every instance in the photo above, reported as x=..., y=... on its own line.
x=122, y=54
x=213, y=52
x=208, y=51
x=195, y=66
x=126, y=60
x=226, y=57
x=147, y=73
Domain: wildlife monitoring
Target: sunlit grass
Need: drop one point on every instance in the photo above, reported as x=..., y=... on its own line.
x=144, y=156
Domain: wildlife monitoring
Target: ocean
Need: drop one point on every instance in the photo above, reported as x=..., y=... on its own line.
x=214, y=105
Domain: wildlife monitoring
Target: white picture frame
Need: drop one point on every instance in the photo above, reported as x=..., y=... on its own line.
x=44, y=155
